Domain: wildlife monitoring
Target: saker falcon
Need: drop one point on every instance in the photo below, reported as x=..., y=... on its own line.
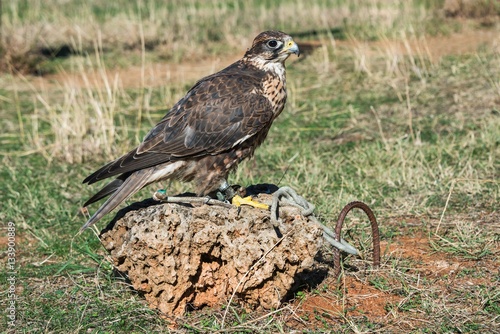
x=221, y=120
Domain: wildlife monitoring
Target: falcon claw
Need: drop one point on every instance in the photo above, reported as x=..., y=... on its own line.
x=221, y=197
x=239, y=201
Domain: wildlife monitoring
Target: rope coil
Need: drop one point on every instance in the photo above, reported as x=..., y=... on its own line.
x=289, y=196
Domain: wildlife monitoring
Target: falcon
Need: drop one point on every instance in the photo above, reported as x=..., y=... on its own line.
x=220, y=121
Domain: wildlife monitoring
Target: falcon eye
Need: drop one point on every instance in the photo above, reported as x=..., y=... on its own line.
x=272, y=44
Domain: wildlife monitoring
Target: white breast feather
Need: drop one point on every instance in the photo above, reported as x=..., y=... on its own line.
x=270, y=66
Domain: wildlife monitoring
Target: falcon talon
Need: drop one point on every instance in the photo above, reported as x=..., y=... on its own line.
x=221, y=197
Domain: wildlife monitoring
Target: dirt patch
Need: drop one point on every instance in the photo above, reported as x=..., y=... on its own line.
x=431, y=48
x=149, y=75
x=158, y=74
x=358, y=299
x=414, y=274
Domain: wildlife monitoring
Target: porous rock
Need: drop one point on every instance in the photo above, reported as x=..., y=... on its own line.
x=184, y=257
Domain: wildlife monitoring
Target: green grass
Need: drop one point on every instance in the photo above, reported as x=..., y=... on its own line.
x=416, y=140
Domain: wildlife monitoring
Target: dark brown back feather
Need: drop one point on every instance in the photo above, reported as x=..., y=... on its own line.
x=216, y=114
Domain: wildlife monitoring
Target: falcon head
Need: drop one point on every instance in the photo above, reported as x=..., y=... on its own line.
x=271, y=47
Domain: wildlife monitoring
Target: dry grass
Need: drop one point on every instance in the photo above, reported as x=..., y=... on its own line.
x=177, y=29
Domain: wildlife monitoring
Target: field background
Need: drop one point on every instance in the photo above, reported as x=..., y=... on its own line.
x=394, y=103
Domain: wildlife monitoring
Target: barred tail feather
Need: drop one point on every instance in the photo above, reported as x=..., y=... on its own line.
x=104, y=192
x=128, y=187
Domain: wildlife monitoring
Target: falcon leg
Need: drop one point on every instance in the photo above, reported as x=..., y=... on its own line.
x=229, y=194
x=226, y=193
x=161, y=196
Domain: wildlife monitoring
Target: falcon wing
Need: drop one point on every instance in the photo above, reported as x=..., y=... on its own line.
x=218, y=113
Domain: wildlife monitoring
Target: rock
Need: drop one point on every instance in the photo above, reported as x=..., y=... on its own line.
x=185, y=257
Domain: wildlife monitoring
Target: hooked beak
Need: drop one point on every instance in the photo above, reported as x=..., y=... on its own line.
x=291, y=47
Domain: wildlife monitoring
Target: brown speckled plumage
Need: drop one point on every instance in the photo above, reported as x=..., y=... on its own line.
x=221, y=120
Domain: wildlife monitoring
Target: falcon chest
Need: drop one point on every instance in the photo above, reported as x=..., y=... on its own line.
x=274, y=87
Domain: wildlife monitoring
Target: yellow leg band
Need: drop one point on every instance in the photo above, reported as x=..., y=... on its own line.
x=239, y=201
